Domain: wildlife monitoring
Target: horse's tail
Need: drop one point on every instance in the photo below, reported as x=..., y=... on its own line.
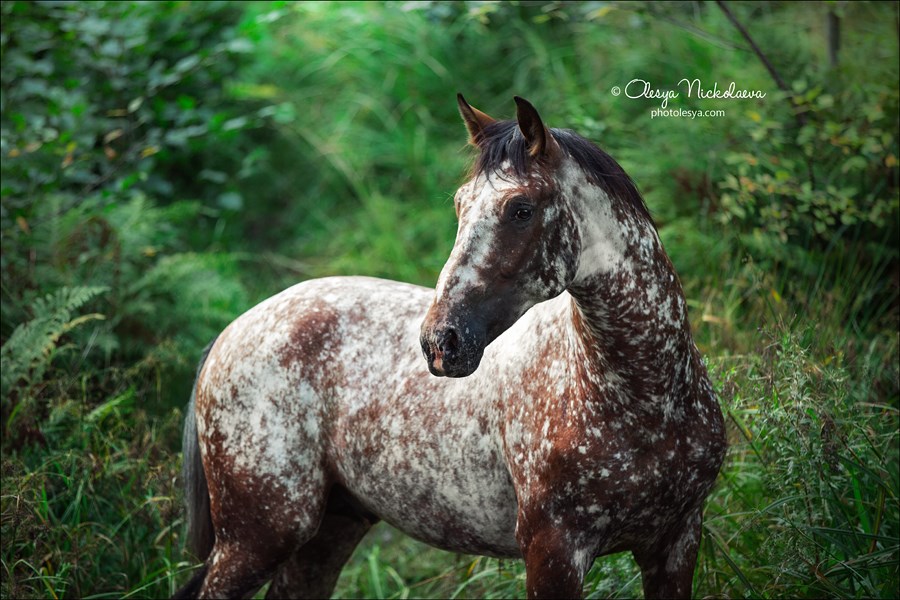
x=200, y=535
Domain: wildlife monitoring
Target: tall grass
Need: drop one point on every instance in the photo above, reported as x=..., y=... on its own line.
x=94, y=511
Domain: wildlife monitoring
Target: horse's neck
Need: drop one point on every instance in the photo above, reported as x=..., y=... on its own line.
x=630, y=317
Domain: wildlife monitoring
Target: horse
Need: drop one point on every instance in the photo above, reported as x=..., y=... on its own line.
x=562, y=410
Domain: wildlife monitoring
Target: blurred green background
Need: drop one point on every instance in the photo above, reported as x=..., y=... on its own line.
x=167, y=165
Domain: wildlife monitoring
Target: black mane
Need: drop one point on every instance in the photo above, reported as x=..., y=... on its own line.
x=502, y=141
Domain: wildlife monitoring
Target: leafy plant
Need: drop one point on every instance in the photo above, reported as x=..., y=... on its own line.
x=809, y=504
x=31, y=347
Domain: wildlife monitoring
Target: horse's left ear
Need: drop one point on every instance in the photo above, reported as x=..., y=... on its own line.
x=540, y=141
x=475, y=120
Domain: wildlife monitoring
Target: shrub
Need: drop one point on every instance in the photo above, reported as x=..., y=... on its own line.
x=807, y=506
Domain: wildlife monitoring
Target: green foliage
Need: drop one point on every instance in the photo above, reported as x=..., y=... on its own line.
x=30, y=348
x=97, y=117
x=104, y=296
x=167, y=164
x=813, y=485
x=93, y=511
x=151, y=308
x=104, y=96
x=390, y=565
x=837, y=174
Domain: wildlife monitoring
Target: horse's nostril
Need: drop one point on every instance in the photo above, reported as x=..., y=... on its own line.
x=448, y=342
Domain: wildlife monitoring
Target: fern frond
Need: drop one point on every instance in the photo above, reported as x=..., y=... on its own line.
x=30, y=348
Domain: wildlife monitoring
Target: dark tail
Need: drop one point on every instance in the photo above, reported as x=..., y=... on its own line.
x=200, y=535
x=191, y=589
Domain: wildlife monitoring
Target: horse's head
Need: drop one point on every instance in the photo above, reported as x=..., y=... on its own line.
x=517, y=243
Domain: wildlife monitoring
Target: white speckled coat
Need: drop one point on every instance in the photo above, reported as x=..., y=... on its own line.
x=562, y=410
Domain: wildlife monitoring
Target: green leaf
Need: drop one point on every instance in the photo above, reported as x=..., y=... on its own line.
x=123, y=400
x=231, y=201
x=187, y=63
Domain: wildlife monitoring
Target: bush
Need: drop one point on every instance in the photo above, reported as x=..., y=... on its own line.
x=807, y=506
x=98, y=119
x=106, y=109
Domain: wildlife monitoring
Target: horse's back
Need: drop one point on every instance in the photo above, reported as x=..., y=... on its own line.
x=319, y=322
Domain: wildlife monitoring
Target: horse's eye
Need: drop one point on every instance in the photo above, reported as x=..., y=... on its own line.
x=523, y=213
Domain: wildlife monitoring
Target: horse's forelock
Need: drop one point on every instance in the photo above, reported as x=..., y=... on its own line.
x=504, y=150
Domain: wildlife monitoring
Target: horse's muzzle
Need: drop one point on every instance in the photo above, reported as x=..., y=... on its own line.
x=449, y=352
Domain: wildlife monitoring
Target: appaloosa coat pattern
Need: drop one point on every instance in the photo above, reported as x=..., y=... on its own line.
x=561, y=411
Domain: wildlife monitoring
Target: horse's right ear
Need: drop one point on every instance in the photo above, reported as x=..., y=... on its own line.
x=474, y=119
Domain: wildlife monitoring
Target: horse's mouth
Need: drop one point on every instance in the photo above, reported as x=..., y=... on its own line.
x=449, y=364
x=438, y=369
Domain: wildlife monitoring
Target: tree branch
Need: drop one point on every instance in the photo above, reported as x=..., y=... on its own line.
x=801, y=118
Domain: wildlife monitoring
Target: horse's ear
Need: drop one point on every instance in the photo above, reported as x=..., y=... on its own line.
x=540, y=141
x=474, y=119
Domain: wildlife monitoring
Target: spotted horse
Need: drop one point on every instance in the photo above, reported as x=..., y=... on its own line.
x=562, y=411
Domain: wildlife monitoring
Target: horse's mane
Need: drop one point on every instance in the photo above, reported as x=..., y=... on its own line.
x=502, y=141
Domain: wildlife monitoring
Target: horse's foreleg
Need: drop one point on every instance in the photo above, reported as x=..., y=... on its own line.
x=555, y=561
x=313, y=569
x=667, y=568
